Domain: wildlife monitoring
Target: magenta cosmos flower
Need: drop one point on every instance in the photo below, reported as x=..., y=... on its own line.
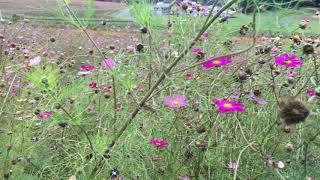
x=216, y=62
x=287, y=60
x=108, y=64
x=159, y=143
x=93, y=85
x=175, y=101
x=310, y=92
x=228, y=106
x=87, y=68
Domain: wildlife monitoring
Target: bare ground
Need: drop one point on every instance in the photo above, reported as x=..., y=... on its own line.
x=37, y=4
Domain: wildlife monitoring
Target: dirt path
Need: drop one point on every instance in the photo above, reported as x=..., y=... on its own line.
x=17, y=5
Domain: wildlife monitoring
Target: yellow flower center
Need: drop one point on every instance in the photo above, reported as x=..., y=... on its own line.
x=216, y=62
x=296, y=37
x=288, y=61
x=227, y=105
x=176, y=102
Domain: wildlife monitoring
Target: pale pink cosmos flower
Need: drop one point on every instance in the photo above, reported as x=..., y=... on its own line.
x=35, y=61
x=130, y=48
x=175, y=101
x=232, y=165
x=108, y=64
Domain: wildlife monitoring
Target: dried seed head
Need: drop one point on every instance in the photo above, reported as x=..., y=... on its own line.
x=308, y=49
x=139, y=47
x=201, y=128
x=293, y=111
x=144, y=30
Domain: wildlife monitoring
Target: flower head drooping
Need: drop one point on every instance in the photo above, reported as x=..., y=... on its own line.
x=175, y=101
x=287, y=60
x=108, y=64
x=87, y=68
x=159, y=143
x=216, y=62
x=228, y=106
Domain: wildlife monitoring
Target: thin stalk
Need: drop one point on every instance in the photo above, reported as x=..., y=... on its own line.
x=102, y=160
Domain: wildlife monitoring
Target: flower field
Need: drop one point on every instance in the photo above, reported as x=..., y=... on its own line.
x=187, y=95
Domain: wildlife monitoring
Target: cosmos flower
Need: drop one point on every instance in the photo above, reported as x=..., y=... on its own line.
x=252, y=97
x=310, y=92
x=93, y=85
x=232, y=165
x=205, y=35
x=35, y=61
x=44, y=115
x=25, y=68
x=189, y=75
x=108, y=64
x=130, y=47
x=216, y=62
x=292, y=74
x=87, y=68
x=228, y=106
x=159, y=143
x=196, y=50
x=175, y=101
x=287, y=60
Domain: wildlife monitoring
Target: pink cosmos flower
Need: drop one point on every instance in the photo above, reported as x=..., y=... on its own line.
x=130, y=47
x=250, y=96
x=15, y=84
x=87, y=68
x=292, y=74
x=35, y=61
x=44, y=115
x=108, y=64
x=196, y=50
x=13, y=91
x=25, y=68
x=159, y=143
x=310, y=92
x=19, y=75
x=274, y=51
x=232, y=165
x=93, y=85
x=175, y=101
x=228, y=106
x=287, y=60
x=205, y=35
x=216, y=62
x=189, y=75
